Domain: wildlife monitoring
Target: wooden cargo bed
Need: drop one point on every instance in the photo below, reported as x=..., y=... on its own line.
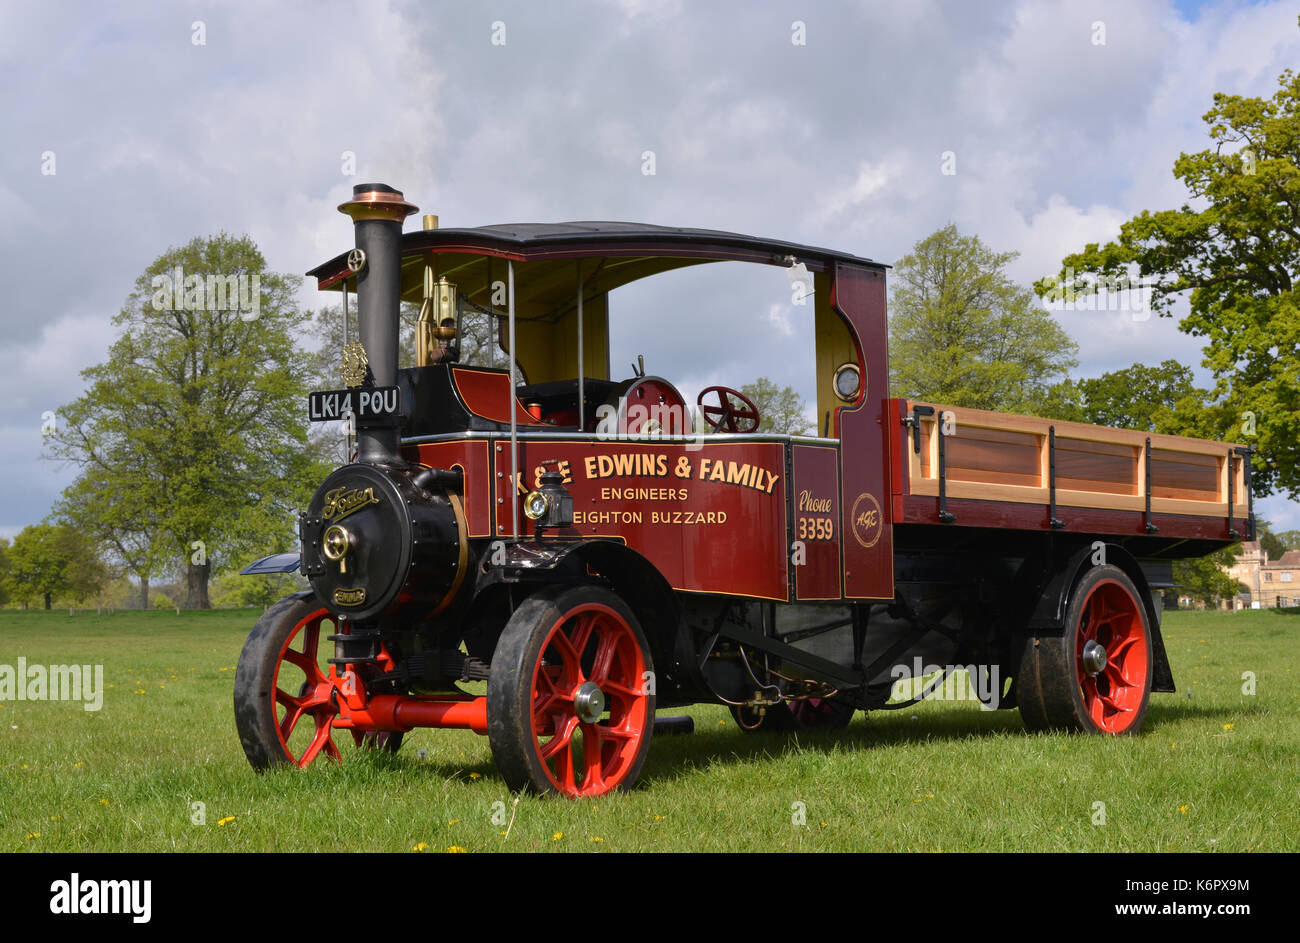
x=1002, y=470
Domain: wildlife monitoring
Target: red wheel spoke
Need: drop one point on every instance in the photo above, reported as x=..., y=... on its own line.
x=290, y=721
x=551, y=684
x=582, y=635
x=321, y=738
x=563, y=737
x=621, y=690
x=560, y=642
x=564, y=759
x=1115, y=706
x=607, y=732
x=593, y=777
x=609, y=642
x=1097, y=710
x=1120, y=648
x=307, y=664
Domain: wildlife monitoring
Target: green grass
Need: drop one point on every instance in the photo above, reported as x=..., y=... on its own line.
x=1217, y=771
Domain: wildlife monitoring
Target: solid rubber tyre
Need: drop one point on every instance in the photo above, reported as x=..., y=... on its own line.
x=558, y=644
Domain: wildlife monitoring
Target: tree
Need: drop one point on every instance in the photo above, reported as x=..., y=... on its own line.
x=1137, y=397
x=1290, y=539
x=46, y=561
x=124, y=521
x=1269, y=542
x=1238, y=255
x=1204, y=579
x=199, y=414
x=780, y=411
x=964, y=334
x=4, y=571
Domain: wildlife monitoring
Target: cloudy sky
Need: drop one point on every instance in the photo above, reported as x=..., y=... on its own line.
x=1062, y=118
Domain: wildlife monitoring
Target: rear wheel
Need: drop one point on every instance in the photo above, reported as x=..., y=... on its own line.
x=811, y=713
x=1096, y=675
x=570, y=708
x=284, y=706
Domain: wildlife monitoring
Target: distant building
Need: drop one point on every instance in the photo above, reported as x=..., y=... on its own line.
x=1265, y=584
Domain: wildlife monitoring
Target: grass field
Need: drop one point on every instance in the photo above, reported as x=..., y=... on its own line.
x=1215, y=769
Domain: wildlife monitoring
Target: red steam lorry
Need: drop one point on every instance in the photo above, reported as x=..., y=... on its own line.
x=589, y=552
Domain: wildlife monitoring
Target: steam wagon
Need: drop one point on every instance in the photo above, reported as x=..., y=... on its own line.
x=590, y=549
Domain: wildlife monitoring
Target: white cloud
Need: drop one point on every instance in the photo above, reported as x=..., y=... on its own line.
x=835, y=143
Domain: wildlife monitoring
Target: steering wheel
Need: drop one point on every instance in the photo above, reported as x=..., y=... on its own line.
x=728, y=413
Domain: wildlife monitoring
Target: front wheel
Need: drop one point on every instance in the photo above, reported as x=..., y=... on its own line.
x=284, y=707
x=570, y=699
x=1096, y=675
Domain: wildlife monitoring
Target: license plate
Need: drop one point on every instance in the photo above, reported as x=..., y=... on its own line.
x=369, y=406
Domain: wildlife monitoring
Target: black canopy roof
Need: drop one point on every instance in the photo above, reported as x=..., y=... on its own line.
x=657, y=248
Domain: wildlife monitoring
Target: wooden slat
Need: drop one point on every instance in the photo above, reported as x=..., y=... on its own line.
x=1184, y=475
x=1106, y=467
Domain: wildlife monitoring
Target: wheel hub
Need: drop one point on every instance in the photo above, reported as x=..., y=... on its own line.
x=1094, y=658
x=589, y=702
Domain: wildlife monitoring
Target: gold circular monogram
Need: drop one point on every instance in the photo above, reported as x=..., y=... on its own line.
x=868, y=522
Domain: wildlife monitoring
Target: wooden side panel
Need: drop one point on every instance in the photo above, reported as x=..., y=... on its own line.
x=998, y=457
x=1108, y=467
x=1184, y=475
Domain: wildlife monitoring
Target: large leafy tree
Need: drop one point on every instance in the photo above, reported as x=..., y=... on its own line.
x=125, y=522
x=1290, y=539
x=1204, y=579
x=780, y=410
x=195, y=426
x=1233, y=252
x=47, y=561
x=1137, y=397
x=4, y=571
x=963, y=333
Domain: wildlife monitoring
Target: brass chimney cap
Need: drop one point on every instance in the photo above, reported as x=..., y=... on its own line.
x=377, y=201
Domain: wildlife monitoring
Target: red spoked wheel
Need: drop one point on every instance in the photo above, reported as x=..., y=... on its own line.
x=1112, y=657
x=570, y=697
x=810, y=713
x=821, y=713
x=284, y=702
x=1095, y=676
x=734, y=411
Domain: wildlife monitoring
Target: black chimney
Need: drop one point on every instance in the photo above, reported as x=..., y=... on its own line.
x=377, y=213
